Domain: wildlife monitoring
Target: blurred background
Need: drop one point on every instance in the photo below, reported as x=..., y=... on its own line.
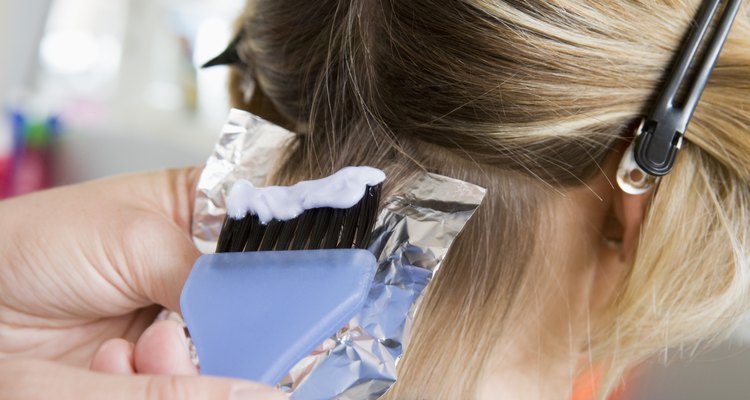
x=91, y=88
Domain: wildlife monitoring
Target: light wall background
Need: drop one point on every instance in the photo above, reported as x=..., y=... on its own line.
x=122, y=75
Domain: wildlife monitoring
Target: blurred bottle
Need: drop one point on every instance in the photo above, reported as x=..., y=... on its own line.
x=29, y=165
x=6, y=158
x=187, y=76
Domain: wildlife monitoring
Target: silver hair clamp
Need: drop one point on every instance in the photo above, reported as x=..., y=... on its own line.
x=659, y=137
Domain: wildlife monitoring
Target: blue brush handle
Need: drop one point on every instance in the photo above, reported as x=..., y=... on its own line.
x=254, y=315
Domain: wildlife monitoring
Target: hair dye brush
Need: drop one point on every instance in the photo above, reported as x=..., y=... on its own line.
x=289, y=271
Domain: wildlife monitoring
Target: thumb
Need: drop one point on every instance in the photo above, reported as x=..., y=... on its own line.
x=162, y=252
x=33, y=379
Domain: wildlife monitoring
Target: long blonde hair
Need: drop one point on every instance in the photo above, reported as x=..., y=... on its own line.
x=526, y=98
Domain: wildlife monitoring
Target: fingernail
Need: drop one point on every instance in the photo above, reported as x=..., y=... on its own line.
x=186, y=343
x=257, y=393
x=179, y=330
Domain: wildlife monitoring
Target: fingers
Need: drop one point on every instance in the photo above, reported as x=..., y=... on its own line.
x=115, y=356
x=163, y=349
x=161, y=270
x=173, y=192
x=163, y=257
x=32, y=379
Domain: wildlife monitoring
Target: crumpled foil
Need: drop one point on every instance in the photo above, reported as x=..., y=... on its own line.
x=412, y=235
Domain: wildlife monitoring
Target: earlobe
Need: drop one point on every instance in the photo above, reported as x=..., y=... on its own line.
x=630, y=211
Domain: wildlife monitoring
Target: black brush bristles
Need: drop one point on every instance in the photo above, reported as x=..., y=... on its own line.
x=350, y=226
x=318, y=228
x=302, y=234
x=271, y=235
x=286, y=234
x=367, y=215
x=321, y=220
x=332, y=236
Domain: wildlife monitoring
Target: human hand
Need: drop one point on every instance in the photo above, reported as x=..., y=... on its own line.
x=84, y=270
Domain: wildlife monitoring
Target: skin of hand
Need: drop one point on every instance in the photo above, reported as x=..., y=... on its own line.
x=84, y=270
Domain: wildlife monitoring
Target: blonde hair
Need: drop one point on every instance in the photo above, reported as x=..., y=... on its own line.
x=526, y=98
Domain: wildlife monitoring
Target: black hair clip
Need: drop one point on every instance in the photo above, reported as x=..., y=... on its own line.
x=229, y=56
x=659, y=137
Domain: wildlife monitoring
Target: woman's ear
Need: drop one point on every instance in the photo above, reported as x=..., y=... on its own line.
x=622, y=225
x=630, y=211
x=619, y=231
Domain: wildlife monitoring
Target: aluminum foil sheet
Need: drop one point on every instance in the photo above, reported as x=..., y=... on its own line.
x=412, y=235
x=248, y=148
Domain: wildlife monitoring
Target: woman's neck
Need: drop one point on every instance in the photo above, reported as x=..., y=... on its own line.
x=538, y=355
x=524, y=370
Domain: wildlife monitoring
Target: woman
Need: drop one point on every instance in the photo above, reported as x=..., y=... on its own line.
x=559, y=270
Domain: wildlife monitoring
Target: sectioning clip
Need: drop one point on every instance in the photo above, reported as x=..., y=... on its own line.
x=660, y=135
x=630, y=177
x=229, y=56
